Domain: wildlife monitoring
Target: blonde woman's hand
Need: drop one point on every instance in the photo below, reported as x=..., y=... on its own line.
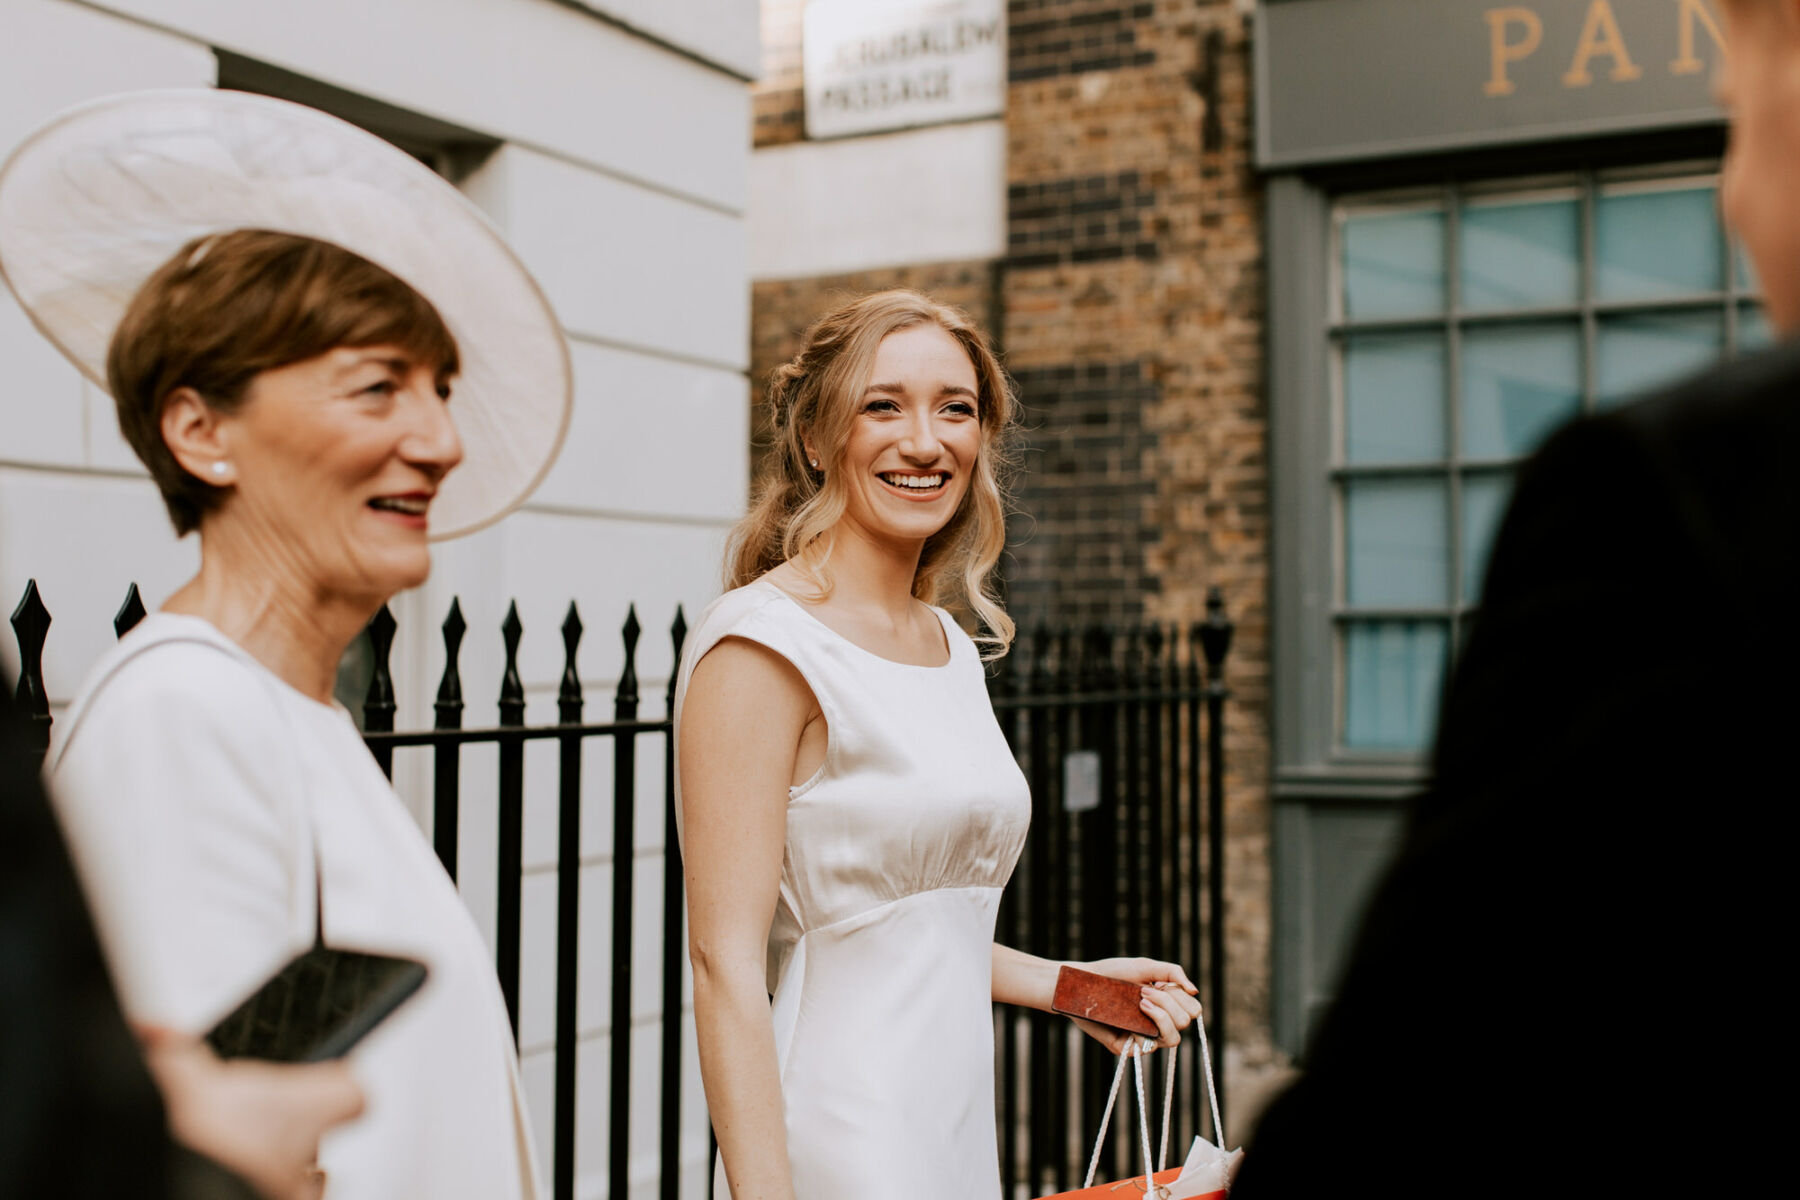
x=1169, y=999
x=261, y=1120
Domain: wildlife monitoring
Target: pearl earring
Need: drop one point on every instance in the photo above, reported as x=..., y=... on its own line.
x=219, y=469
x=814, y=462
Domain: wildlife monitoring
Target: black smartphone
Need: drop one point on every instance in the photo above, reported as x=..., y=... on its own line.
x=317, y=1007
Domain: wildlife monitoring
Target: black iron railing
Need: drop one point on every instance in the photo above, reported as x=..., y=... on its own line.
x=447, y=740
x=1124, y=857
x=1125, y=854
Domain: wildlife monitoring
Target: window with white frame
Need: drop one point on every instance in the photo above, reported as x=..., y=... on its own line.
x=1467, y=322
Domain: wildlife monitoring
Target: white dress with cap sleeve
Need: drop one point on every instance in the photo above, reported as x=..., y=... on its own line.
x=880, y=957
x=197, y=791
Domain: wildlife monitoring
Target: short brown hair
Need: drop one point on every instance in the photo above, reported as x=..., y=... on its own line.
x=229, y=306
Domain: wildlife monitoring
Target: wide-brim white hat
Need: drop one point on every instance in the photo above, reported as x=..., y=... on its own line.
x=104, y=194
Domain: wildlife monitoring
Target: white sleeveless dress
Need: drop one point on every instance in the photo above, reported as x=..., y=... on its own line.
x=880, y=955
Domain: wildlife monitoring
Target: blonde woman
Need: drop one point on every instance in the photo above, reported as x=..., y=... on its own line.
x=850, y=808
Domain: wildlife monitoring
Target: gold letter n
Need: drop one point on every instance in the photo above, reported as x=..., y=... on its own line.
x=1501, y=51
x=1600, y=35
x=1693, y=12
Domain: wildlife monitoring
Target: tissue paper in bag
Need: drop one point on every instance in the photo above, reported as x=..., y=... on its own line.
x=1207, y=1172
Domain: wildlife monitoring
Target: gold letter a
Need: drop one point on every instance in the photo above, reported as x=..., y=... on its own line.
x=1600, y=35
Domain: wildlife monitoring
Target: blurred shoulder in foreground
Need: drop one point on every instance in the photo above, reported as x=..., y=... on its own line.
x=1566, y=979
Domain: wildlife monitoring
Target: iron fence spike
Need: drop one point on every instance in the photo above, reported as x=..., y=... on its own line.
x=627, y=695
x=380, y=697
x=1215, y=632
x=130, y=612
x=31, y=626
x=450, y=694
x=569, y=693
x=512, y=688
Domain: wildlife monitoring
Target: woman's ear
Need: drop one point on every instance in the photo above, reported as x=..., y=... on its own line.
x=195, y=435
x=812, y=453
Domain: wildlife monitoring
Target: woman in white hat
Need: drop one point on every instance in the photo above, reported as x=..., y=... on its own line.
x=324, y=356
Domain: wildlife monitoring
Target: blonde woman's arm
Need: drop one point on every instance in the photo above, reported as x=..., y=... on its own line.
x=1168, y=993
x=744, y=712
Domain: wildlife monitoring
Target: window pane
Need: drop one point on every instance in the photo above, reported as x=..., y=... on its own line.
x=1392, y=672
x=1658, y=242
x=1484, y=499
x=1397, y=548
x=1644, y=349
x=1393, y=397
x=1753, y=331
x=1518, y=383
x=1746, y=270
x=1393, y=264
x=1520, y=253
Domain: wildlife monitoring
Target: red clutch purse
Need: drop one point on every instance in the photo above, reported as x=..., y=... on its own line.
x=1101, y=999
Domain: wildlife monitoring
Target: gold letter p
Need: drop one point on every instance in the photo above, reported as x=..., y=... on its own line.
x=1502, y=52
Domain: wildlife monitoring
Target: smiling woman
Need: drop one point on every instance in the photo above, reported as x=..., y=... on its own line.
x=229, y=307
x=849, y=808
x=290, y=396
x=836, y=392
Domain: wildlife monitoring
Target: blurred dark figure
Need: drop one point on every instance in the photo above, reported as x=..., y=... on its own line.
x=1567, y=981
x=80, y=1116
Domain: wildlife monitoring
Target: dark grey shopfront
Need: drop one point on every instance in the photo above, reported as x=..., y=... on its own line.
x=1483, y=218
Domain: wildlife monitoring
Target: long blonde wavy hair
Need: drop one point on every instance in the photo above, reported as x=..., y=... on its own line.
x=816, y=394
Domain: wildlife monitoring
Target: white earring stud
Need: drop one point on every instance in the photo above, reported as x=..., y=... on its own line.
x=219, y=469
x=814, y=462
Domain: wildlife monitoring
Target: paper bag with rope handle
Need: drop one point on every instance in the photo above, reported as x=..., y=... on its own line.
x=1207, y=1173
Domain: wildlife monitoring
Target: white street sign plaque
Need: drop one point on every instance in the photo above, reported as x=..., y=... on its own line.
x=873, y=65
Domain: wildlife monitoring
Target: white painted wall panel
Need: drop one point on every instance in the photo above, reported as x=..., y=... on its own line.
x=107, y=449
x=54, y=55
x=85, y=539
x=606, y=566
x=928, y=195
x=537, y=951
x=597, y=772
x=720, y=31
x=651, y=435
x=545, y=560
x=623, y=264
x=530, y=71
x=41, y=417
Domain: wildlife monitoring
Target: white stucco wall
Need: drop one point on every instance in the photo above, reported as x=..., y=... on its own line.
x=622, y=179
x=721, y=31
x=919, y=196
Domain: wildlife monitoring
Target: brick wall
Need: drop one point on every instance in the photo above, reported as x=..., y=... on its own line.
x=1133, y=299
x=1129, y=310
x=782, y=309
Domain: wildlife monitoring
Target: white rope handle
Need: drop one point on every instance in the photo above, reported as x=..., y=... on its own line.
x=1162, y=1150
x=1135, y=1050
x=1105, y=1117
x=1212, y=1094
x=1137, y=1068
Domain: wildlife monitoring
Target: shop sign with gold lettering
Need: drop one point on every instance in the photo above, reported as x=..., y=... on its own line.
x=872, y=65
x=1346, y=79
